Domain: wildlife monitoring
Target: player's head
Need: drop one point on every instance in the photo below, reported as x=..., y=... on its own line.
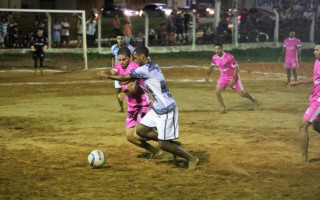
x=317, y=50
x=292, y=33
x=141, y=55
x=218, y=48
x=120, y=39
x=124, y=57
x=40, y=32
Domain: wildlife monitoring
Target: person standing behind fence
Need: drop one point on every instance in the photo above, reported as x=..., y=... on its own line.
x=91, y=29
x=65, y=32
x=79, y=33
x=39, y=44
x=292, y=50
x=3, y=31
x=127, y=31
x=56, y=27
x=116, y=24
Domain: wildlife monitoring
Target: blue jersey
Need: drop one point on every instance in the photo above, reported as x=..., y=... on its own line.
x=115, y=49
x=156, y=84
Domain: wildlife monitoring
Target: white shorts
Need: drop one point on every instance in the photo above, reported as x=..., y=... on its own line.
x=166, y=124
x=117, y=85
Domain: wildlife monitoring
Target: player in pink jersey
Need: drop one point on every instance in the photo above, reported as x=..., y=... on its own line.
x=312, y=114
x=137, y=97
x=292, y=48
x=229, y=76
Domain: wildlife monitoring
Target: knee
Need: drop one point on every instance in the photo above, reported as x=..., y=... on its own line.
x=218, y=92
x=242, y=93
x=163, y=144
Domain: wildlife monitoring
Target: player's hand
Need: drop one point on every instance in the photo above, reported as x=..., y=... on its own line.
x=231, y=83
x=121, y=96
x=33, y=49
x=44, y=47
x=292, y=84
x=103, y=74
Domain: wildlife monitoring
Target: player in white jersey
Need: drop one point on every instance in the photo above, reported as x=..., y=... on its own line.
x=292, y=50
x=164, y=115
x=114, y=52
x=312, y=114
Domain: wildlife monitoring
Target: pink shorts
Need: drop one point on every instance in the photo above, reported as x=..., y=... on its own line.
x=313, y=112
x=134, y=116
x=225, y=80
x=291, y=63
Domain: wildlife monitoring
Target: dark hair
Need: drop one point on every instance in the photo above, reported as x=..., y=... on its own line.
x=142, y=50
x=124, y=51
x=120, y=34
x=218, y=44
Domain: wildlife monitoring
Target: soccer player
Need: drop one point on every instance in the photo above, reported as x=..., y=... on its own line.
x=39, y=44
x=292, y=49
x=164, y=115
x=114, y=52
x=229, y=70
x=312, y=114
x=137, y=97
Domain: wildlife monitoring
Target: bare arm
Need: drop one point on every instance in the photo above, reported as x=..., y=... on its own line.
x=283, y=50
x=104, y=74
x=299, y=53
x=303, y=81
x=208, y=72
x=113, y=61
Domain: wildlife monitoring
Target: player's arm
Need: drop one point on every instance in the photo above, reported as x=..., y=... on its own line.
x=282, y=53
x=208, y=72
x=303, y=81
x=299, y=53
x=113, y=60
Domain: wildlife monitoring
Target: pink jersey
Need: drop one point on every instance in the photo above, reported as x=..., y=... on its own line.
x=315, y=93
x=140, y=98
x=291, y=45
x=226, y=63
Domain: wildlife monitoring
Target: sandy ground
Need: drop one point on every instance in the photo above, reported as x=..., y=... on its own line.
x=50, y=123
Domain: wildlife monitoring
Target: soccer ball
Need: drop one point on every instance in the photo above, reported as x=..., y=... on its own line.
x=96, y=159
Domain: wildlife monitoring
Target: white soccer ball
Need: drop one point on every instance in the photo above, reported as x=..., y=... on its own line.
x=96, y=159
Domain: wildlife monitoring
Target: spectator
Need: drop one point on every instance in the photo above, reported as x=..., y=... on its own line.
x=116, y=24
x=179, y=27
x=186, y=20
x=127, y=31
x=152, y=35
x=307, y=17
x=140, y=39
x=91, y=29
x=161, y=34
x=13, y=39
x=56, y=27
x=65, y=32
x=3, y=31
x=79, y=33
x=171, y=29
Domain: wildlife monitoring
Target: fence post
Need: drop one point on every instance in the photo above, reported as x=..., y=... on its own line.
x=146, y=29
x=276, y=27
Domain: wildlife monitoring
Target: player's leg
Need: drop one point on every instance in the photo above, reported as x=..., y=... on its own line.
x=139, y=141
x=316, y=126
x=288, y=75
x=304, y=143
x=240, y=89
x=118, y=88
x=41, y=57
x=294, y=71
x=35, y=58
x=219, y=91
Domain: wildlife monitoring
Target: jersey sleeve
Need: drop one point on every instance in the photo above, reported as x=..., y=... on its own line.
x=139, y=73
x=213, y=62
x=112, y=51
x=233, y=62
x=116, y=68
